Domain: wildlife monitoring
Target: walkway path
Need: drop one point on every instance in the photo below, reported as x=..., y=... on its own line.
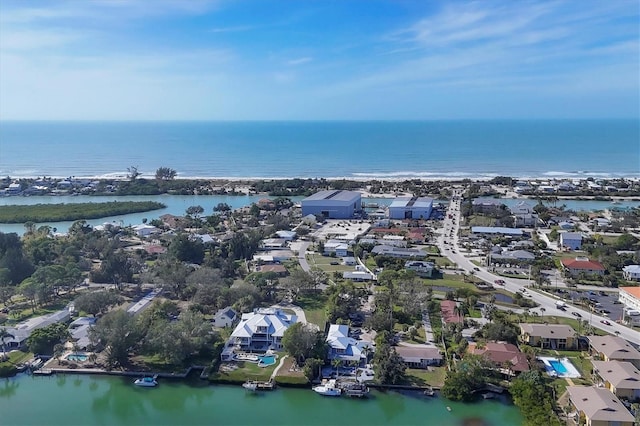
x=275, y=371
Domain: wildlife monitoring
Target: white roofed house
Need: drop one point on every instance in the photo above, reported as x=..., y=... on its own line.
x=524, y=214
x=144, y=230
x=346, y=348
x=259, y=331
x=631, y=272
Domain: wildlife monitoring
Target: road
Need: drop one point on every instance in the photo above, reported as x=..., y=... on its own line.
x=452, y=251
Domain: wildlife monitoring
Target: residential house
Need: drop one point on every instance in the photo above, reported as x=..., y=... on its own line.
x=225, y=317
x=613, y=348
x=259, y=330
x=513, y=256
x=598, y=407
x=419, y=356
x=273, y=244
x=582, y=265
x=349, y=261
x=339, y=248
x=450, y=314
x=422, y=269
x=620, y=377
x=23, y=330
x=358, y=275
x=144, y=230
x=630, y=297
x=631, y=273
x=524, y=215
x=344, y=347
x=505, y=356
x=79, y=330
x=276, y=268
x=273, y=256
x=571, y=240
x=483, y=205
x=549, y=336
x=287, y=235
x=386, y=250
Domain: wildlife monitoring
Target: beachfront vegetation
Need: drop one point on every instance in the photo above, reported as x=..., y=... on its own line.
x=74, y=211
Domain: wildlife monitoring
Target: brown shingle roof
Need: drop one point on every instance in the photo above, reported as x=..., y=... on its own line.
x=599, y=404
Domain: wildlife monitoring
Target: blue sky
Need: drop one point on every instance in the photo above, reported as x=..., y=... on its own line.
x=325, y=60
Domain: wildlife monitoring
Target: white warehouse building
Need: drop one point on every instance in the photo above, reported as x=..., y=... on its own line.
x=333, y=204
x=411, y=208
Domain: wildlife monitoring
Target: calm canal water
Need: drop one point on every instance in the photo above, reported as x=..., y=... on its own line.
x=92, y=400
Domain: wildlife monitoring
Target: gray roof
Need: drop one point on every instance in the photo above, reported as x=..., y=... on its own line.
x=621, y=374
x=515, y=255
x=613, y=347
x=419, y=202
x=598, y=404
x=333, y=195
x=496, y=230
x=571, y=236
x=548, y=331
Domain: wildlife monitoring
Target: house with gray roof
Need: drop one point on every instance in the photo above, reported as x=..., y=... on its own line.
x=386, y=250
x=571, y=240
x=225, y=317
x=549, y=336
x=610, y=348
x=620, y=377
x=597, y=406
x=419, y=356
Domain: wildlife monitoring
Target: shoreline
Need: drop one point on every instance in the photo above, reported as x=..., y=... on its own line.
x=362, y=177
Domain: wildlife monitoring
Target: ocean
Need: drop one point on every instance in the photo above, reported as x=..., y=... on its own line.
x=357, y=150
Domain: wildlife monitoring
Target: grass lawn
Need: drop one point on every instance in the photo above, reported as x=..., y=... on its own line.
x=287, y=375
x=244, y=371
x=314, y=308
x=432, y=377
x=324, y=263
x=17, y=357
x=441, y=261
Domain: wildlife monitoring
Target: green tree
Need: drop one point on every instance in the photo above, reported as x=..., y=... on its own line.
x=117, y=331
x=184, y=249
x=165, y=173
x=532, y=396
x=303, y=341
x=96, y=302
x=42, y=340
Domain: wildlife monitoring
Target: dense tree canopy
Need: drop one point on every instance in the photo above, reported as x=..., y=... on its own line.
x=303, y=341
x=532, y=396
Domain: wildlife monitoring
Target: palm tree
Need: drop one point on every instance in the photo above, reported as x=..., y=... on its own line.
x=542, y=312
x=336, y=363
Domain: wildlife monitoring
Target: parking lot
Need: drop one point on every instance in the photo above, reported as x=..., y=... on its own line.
x=605, y=303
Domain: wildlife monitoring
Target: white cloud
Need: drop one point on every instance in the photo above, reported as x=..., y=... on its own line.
x=299, y=61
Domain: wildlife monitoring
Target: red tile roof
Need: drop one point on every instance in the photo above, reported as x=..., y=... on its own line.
x=448, y=312
x=500, y=352
x=590, y=265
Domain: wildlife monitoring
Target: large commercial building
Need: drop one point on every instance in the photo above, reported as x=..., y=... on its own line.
x=411, y=208
x=333, y=204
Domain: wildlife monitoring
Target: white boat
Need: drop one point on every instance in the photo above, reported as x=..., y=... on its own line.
x=146, y=382
x=250, y=385
x=328, y=388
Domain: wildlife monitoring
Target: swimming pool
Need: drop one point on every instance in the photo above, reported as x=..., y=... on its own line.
x=560, y=367
x=77, y=357
x=266, y=360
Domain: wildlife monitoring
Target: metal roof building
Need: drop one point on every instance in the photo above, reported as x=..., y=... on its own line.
x=333, y=204
x=493, y=230
x=411, y=208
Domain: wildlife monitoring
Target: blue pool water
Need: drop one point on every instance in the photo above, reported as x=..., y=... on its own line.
x=77, y=357
x=557, y=365
x=267, y=360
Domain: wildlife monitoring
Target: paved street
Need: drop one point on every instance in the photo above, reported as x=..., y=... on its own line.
x=452, y=251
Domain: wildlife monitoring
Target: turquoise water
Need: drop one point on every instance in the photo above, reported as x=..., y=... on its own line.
x=266, y=360
x=77, y=357
x=177, y=205
x=557, y=365
x=91, y=400
x=537, y=148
